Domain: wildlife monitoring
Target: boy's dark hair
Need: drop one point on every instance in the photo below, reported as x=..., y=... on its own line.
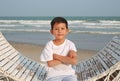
x=58, y=20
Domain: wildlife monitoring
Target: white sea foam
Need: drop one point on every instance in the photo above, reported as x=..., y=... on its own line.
x=8, y=25
x=24, y=30
x=25, y=21
x=77, y=26
x=95, y=32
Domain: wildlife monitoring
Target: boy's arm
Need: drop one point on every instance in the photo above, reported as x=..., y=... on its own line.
x=70, y=59
x=53, y=63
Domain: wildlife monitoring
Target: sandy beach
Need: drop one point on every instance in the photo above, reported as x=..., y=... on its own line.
x=33, y=51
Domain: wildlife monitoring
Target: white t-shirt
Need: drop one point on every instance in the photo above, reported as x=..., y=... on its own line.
x=63, y=49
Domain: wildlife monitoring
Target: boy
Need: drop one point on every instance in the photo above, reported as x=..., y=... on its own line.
x=60, y=53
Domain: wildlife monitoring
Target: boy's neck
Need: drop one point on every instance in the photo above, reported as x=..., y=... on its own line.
x=58, y=41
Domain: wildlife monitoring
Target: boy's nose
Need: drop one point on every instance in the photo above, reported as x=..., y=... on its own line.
x=59, y=30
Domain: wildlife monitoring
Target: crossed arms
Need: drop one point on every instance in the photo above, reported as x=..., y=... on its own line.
x=71, y=58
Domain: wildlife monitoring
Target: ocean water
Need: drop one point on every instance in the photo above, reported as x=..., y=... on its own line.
x=91, y=33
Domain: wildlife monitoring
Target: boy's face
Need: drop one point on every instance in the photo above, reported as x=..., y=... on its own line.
x=59, y=31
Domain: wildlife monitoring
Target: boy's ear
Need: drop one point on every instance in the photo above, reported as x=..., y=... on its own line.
x=68, y=30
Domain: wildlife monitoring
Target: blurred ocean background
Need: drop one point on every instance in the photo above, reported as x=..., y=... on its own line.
x=91, y=33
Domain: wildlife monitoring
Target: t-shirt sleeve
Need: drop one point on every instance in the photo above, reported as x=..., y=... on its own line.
x=73, y=47
x=47, y=53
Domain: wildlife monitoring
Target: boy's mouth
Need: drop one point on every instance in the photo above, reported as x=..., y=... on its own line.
x=60, y=34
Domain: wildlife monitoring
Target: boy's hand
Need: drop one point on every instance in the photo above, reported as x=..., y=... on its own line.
x=56, y=56
x=72, y=54
x=55, y=61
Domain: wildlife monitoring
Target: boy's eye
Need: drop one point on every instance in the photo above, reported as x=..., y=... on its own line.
x=59, y=29
x=62, y=28
x=56, y=29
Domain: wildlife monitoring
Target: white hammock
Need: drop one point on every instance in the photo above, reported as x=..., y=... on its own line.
x=102, y=66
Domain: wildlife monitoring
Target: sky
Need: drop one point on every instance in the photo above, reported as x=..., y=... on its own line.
x=59, y=7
